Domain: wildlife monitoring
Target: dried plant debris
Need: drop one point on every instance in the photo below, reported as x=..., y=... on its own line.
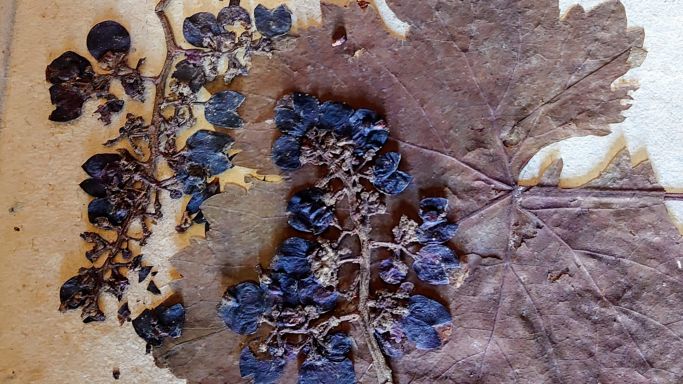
x=75, y=81
x=125, y=183
x=544, y=284
x=301, y=305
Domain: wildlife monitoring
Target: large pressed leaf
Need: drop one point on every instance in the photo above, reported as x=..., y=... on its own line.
x=563, y=285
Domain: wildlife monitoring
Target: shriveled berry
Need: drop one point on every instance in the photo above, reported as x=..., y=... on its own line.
x=433, y=209
x=309, y=212
x=436, y=233
x=394, y=184
x=287, y=153
x=322, y=370
x=69, y=66
x=200, y=28
x=334, y=116
x=261, y=371
x=393, y=271
x=221, y=107
x=154, y=325
x=108, y=36
x=242, y=307
x=273, y=23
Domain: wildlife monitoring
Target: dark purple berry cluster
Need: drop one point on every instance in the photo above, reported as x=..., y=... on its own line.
x=300, y=301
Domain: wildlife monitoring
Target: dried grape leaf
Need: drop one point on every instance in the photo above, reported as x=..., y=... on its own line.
x=561, y=285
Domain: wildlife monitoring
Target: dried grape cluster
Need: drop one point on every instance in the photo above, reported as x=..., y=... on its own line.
x=74, y=80
x=126, y=185
x=303, y=303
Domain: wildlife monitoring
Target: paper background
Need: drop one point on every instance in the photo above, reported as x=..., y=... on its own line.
x=42, y=208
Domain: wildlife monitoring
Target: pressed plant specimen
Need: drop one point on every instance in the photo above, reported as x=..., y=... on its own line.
x=303, y=298
x=126, y=183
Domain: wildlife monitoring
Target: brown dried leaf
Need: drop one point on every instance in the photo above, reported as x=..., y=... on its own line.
x=564, y=285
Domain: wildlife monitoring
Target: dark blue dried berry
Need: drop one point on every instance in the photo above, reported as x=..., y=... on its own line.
x=102, y=208
x=431, y=272
x=200, y=28
x=290, y=123
x=434, y=264
x=429, y=311
x=369, y=139
x=422, y=335
x=191, y=74
x=309, y=212
x=68, y=102
x=69, y=66
x=232, y=15
x=436, y=233
x=97, y=164
x=292, y=257
x=363, y=119
x=220, y=109
x=392, y=271
x=312, y=293
x=198, y=198
x=337, y=346
x=94, y=187
x=213, y=162
x=424, y=315
x=272, y=23
x=386, y=164
x=77, y=290
x=321, y=370
x=154, y=325
x=306, y=106
x=260, y=371
x=334, y=116
x=242, y=307
x=389, y=346
x=210, y=141
x=394, y=184
x=193, y=178
x=287, y=153
x=433, y=209
x=285, y=288
x=108, y=36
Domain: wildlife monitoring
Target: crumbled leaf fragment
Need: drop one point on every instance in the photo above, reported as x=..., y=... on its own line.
x=109, y=108
x=152, y=287
x=334, y=116
x=123, y=314
x=143, y=273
